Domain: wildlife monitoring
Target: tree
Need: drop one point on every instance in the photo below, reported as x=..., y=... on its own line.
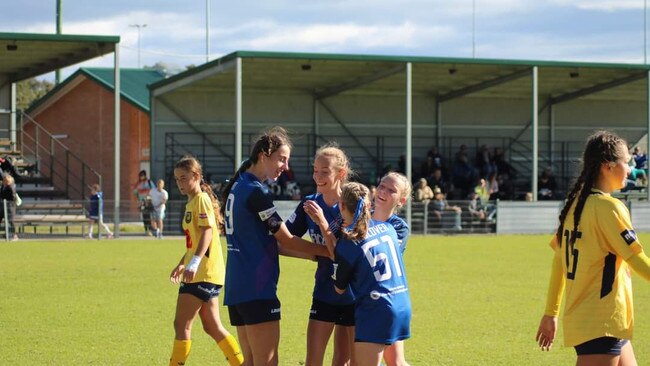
x=29, y=90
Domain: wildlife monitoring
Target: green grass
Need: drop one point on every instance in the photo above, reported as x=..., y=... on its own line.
x=477, y=300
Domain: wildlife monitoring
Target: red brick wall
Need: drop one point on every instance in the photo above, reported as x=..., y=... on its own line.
x=86, y=115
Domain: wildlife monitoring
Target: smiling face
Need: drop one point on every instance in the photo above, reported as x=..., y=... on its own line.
x=326, y=176
x=389, y=195
x=276, y=163
x=187, y=182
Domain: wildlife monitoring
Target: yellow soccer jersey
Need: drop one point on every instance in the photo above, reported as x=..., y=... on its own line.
x=199, y=212
x=598, y=284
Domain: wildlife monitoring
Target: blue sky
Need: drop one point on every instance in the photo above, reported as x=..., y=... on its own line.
x=567, y=30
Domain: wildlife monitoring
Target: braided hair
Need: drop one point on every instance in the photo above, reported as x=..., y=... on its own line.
x=354, y=194
x=601, y=147
x=267, y=143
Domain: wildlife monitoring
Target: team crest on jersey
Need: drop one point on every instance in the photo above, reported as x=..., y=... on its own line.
x=188, y=217
x=629, y=236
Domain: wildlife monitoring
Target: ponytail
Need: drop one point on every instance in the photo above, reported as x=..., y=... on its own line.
x=355, y=196
x=226, y=191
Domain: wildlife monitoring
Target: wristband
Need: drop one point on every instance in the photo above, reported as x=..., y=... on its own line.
x=193, y=266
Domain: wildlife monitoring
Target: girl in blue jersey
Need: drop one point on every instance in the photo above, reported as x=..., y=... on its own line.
x=256, y=234
x=392, y=193
x=368, y=259
x=330, y=311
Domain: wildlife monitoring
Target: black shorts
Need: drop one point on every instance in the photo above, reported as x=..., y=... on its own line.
x=601, y=346
x=337, y=314
x=203, y=290
x=254, y=312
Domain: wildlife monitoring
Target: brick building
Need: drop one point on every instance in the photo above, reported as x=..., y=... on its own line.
x=79, y=113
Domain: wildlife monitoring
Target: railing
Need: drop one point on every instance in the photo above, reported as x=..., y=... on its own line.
x=67, y=171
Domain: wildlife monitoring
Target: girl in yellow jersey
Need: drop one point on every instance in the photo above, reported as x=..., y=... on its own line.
x=200, y=271
x=595, y=245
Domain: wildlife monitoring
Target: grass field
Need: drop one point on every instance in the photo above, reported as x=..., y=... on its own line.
x=477, y=300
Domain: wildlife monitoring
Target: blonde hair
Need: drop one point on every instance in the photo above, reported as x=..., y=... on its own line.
x=350, y=195
x=332, y=151
x=403, y=184
x=192, y=165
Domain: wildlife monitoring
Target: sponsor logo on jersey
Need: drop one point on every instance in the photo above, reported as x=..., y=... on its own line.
x=264, y=215
x=203, y=215
x=629, y=236
x=188, y=217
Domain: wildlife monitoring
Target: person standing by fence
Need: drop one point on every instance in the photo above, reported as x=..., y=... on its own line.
x=96, y=212
x=159, y=197
x=141, y=190
x=8, y=195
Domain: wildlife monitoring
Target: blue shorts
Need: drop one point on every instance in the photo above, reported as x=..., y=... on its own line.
x=254, y=312
x=330, y=313
x=203, y=290
x=601, y=346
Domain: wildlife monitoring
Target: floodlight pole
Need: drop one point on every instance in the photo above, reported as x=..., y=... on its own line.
x=473, y=28
x=207, y=30
x=645, y=31
x=139, y=26
x=59, y=21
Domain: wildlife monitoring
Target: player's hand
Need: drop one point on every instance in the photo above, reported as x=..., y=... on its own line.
x=546, y=332
x=315, y=212
x=330, y=243
x=188, y=275
x=177, y=272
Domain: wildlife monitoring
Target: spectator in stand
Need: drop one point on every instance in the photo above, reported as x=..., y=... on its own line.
x=423, y=192
x=442, y=209
x=475, y=207
x=529, y=197
x=401, y=164
x=502, y=165
x=484, y=162
x=438, y=160
x=463, y=173
x=437, y=180
x=427, y=168
x=637, y=174
x=8, y=193
x=493, y=186
x=547, y=185
x=481, y=189
x=640, y=159
x=159, y=197
x=141, y=191
x=7, y=166
x=96, y=211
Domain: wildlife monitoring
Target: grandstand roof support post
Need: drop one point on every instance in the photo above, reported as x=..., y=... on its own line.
x=12, y=117
x=409, y=132
x=316, y=122
x=438, y=124
x=647, y=101
x=117, y=185
x=238, y=113
x=535, y=127
x=551, y=133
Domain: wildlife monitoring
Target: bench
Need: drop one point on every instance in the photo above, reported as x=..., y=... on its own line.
x=631, y=195
x=50, y=220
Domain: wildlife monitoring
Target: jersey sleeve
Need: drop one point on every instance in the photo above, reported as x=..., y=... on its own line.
x=344, y=260
x=205, y=214
x=616, y=227
x=402, y=230
x=262, y=205
x=297, y=222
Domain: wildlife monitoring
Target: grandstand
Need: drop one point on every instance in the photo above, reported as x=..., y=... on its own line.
x=538, y=112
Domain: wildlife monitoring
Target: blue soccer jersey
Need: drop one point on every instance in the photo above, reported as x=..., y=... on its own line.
x=252, y=268
x=374, y=269
x=402, y=229
x=298, y=224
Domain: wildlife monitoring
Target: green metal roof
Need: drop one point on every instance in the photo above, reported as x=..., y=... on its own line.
x=25, y=55
x=133, y=84
x=440, y=77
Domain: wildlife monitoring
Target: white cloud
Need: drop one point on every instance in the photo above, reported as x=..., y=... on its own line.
x=344, y=36
x=604, y=5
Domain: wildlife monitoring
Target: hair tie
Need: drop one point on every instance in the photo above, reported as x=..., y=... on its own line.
x=357, y=213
